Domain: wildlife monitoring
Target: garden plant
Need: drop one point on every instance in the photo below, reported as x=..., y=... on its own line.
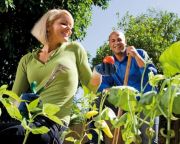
x=161, y=102
x=164, y=102
x=34, y=109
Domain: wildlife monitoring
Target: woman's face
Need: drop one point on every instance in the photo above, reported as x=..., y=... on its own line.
x=117, y=43
x=61, y=29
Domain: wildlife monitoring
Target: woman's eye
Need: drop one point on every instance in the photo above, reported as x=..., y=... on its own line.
x=63, y=24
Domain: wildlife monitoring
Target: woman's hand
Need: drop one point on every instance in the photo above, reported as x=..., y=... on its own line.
x=28, y=97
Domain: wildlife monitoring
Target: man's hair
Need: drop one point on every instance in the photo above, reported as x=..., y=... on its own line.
x=116, y=32
x=39, y=30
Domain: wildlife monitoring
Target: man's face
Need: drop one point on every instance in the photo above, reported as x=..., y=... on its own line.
x=117, y=42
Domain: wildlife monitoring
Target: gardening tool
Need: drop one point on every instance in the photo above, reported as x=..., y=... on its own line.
x=29, y=97
x=120, y=111
x=52, y=77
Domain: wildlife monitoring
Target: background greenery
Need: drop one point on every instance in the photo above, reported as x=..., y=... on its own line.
x=152, y=31
x=17, y=19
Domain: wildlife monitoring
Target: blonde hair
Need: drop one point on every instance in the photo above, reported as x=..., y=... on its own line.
x=39, y=31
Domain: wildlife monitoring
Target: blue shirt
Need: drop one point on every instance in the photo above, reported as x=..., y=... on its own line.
x=135, y=74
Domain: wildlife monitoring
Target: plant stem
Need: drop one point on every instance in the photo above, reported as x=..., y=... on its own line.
x=171, y=92
x=132, y=115
x=142, y=78
x=100, y=110
x=26, y=136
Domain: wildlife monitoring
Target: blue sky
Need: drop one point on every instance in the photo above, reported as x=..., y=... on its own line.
x=104, y=20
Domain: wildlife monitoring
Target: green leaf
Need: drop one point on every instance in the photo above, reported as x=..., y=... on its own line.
x=154, y=79
x=107, y=114
x=71, y=139
x=165, y=98
x=147, y=98
x=50, y=109
x=55, y=119
x=85, y=90
x=77, y=142
x=89, y=136
x=3, y=87
x=164, y=102
x=12, y=95
x=120, y=96
x=176, y=80
x=176, y=104
x=12, y=110
x=33, y=105
x=40, y=130
x=170, y=59
x=120, y=121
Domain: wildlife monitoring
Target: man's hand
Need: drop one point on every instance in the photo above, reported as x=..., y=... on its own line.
x=107, y=67
x=131, y=50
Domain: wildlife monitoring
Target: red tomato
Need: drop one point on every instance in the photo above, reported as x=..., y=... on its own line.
x=108, y=59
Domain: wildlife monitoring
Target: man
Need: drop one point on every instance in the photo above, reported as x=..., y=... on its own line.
x=117, y=44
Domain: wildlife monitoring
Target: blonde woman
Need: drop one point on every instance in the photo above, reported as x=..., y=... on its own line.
x=53, y=31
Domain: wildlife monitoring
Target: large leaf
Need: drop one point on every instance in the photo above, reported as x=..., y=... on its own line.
x=120, y=96
x=176, y=104
x=170, y=59
x=12, y=110
x=147, y=98
x=50, y=109
x=4, y=91
x=165, y=99
x=55, y=119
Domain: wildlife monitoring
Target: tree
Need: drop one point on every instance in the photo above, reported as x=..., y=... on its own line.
x=18, y=17
x=153, y=31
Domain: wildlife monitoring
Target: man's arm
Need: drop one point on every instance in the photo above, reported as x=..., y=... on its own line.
x=131, y=50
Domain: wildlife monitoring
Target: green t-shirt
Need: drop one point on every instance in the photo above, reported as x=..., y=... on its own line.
x=73, y=57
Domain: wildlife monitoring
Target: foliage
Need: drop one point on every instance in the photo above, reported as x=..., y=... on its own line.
x=87, y=113
x=5, y=5
x=34, y=110
x=152, y=31
x=163, y=102
x=17, y=19
x=83, y=109
x=170, y=59
x=101, y=53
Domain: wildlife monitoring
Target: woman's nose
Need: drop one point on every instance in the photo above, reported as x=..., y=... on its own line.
x=69, y=30
x=68, y=27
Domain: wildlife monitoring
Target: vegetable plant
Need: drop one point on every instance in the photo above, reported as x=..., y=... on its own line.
x=90, y=114
x=47, y=110
x=162, y=100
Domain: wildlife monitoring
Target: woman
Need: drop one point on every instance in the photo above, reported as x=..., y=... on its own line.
x=53, y=30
